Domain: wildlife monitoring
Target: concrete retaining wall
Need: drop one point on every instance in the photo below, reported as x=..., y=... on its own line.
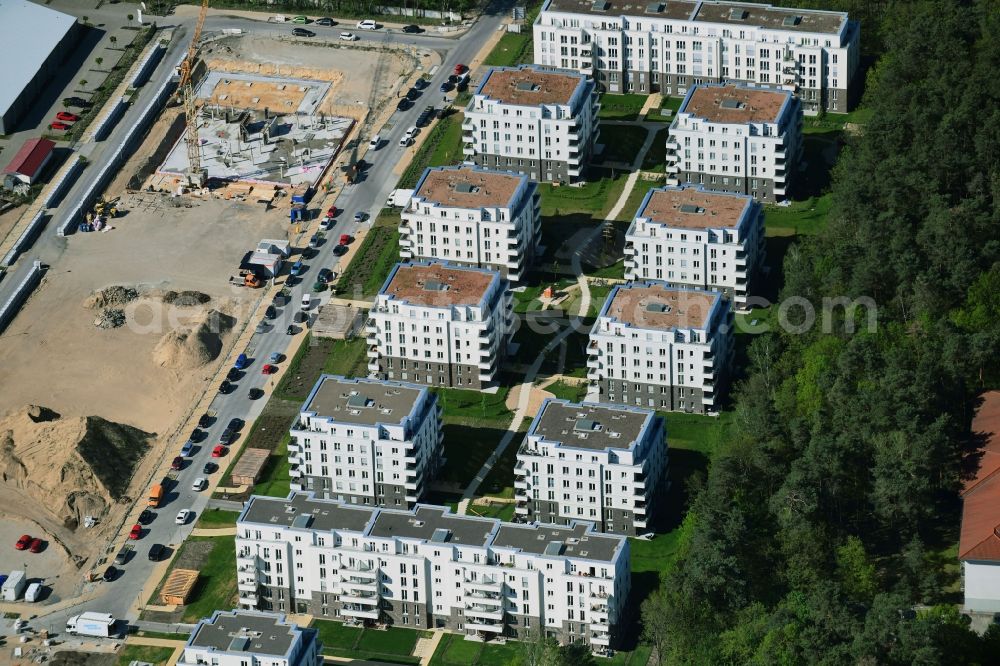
x=10, y=308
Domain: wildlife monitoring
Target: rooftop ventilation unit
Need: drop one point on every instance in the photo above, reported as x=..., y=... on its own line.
x=731, y=104
x=239, y=644
x=435, y=285
x=526, y=86
x=466, y=188
x=738, y=14
x=357, y=401
x=662, y=308
x=586, y=425
x=790, y=21
x=691, y=209
x=302, y=521
x=554, y=548
x=441, y=535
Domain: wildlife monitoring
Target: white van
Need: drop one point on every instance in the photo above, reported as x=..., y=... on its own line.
x=367, y=24
x=33, y=592
x=306, y=301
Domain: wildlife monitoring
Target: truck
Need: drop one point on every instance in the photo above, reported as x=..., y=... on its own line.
x=91, y=624
x=14, y=586
x=34, y=591
x=155, y=495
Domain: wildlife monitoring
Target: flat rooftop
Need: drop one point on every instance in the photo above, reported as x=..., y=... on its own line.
x=242, y=631
x=438, y=285
x=322, y=515
x=667, y=9
x=768, y=16
x=734, y=104
x=468, y=187
x=528, y=86
x=556, y=540
x=589, y=426
x=660, y=307
x=435, y=524
x=693, y=208
x=362, y=402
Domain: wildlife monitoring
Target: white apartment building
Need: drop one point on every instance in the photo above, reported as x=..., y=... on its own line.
x=605, y=464
x=661, y=347
x=430, y=569
x=671, y=45
x=441, y=325
x=471, y=216
x=251, y=638
x=736, y=139
x=535, y=121
x=363, y=441
x=696, y=238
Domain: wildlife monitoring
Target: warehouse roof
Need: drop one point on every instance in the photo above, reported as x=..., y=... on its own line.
x=735, y=104
x=31, y=157
x=660, y=306
x=530, y=86
x=438, y=284
x=28, y=34
x=694, y=208
x=468, y=187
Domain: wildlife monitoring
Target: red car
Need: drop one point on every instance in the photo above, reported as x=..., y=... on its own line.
x=345, y=239
x=218, y=451
x=459, y=68
x=332, y=212
x=23, y=542
x=58, y=126
x=269, y=369
x=36, y=545
x=177, y=463
x=136, y=532
x=67, y=116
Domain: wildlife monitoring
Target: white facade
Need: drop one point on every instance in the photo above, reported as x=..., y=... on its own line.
x=542, y=123
x=428, y=568
x=752, y=147
x=605, y=464
x=441, y=325
x=981, y=581
x=366, y=442
x=692, y=237
x=251, y=638
x=471, y=216
x=667, y=47
x=661, y=347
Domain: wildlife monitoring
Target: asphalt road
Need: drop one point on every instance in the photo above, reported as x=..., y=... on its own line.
x=367, y=196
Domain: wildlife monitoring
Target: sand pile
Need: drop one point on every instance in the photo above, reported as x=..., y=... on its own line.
x=73, y=467
x=195, y=345
x=110, y=296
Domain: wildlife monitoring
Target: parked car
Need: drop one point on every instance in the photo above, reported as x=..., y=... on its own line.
x=23, y=542
x=36, y=545
x=348, y=36
x=300, y=19
x=327, y=21
x=58, y=126
x=301, y=317
x=196, y=435
x=326, y=223
x=324, y=275
x=332, y=211
x=446, y=86
x=110, y=574
x=67, y=116
x=255, y=393
x=187, y=449
x=367, y=24
x=306, y=301
x=413, y=131
x=199, y=484
x=136, y=532
x=405, y=141
x=412, y=29
x=209, y=468
x=146, y=517
x=225, y=387
x=227, y=436
x=236, y=424
x=291, y=329
x=403, y=104
x=296, y=268
x=241, y=362
x=302, y=32
x=183, y=516
x=205, y=421
x=270, y=312
x=460, y=67
x=156, y=552
x=375, y=142
x=421, y=83
x=177, y=463
x=339, y=250
x=218, y=451
x=269, y=369
x=315, y=240
x=276, y=357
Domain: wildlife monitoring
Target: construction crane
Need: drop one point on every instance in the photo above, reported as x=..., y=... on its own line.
x=186, y=89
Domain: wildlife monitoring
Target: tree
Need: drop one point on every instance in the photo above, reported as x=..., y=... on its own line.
x=83, y=83
x=98, y=60
x=855, y=571
x=537, y=649
x=131, y=17
x=656, y=623
x=113, y=40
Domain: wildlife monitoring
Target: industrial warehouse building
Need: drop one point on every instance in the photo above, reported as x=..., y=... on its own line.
x=34, y=40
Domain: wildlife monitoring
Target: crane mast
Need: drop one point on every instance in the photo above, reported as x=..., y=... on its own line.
x=186, y=89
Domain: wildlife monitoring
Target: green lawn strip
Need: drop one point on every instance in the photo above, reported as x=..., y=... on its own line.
x=454, y=650
x=636, y=657
x=494, y=654
x=828, y=122
x=393, y=645
x=216, y=585
x=371, y=264
x=337, y=635
x=442, y=147
x=513, y=48
x=595, y=197
x=212, y=518
x=347, y=358
x=672, y=103
x=151, y=654
x=566, y=391
x=501, y=511
x=656, y=158
x=284, y=390
x=474, y=406
x=394, y=640
x=801, y=217
x=275, y=479
x=621, y=107
x=162, y=634
x=621, y=142
x=635, y=197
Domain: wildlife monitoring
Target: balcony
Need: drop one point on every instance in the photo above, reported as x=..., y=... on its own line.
x=362, y=612
x=247, y=584
x=373, y=351
x=672, y=144
x=295, y=471
x=250, y=598
x=371, y=327
x=482, y=612
x=594, y=362
x=468, y=150
x=405, y=240
x=673, y=168
x=520, y=484
x=593, y=374
x=486, y=627
x=483, y=585
x=359, y=598
x=295, y=459
x=362, y=571
x=487, y=363
x=374, y=366
x=781, y=153
x=629, y=248
x=410, y=485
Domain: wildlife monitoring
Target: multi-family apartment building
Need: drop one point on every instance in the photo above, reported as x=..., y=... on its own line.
x=661, y=347
x=364, y=441
x=601, y=463
x=251, y=638
x=692, y=237
x=736, y=139
x=427, y=568
x=471, y=216
x=540, y=122
x=671, y=45
x=441, y=325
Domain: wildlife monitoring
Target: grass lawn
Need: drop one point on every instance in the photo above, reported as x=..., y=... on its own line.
x=672, y=103
x=371, y=264
x=144, y=653
x=635, y=197
x=636, y=657
x=834, y=121
x=621, y=107
x=513, y=48
x=466, y=448
x=565, y=391
x=213, y=518
x=275, y=479
x=393, y=645
x=443, y=146
x=595, y=197
x=503, y=512
x=453, y=650
x=473, y=407
x=347, y=358
x=162, y=634
x=394, y=640
x=494, y=654
x=215, y=560
x=621, y=142
x=802, y=217
x=656, y=158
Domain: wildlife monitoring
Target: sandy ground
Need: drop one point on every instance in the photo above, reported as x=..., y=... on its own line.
x=9, y=219
x=51, y=566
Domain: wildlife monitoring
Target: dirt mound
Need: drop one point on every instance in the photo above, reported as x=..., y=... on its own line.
x=185, y=298
x=109, y=296
x=74, y=467
x=195, y=345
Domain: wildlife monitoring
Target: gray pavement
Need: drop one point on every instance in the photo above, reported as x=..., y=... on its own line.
x=368, y=195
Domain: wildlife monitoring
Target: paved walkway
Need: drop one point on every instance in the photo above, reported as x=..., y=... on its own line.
x=213, y=531
x=426, y=647
x=226, y=505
